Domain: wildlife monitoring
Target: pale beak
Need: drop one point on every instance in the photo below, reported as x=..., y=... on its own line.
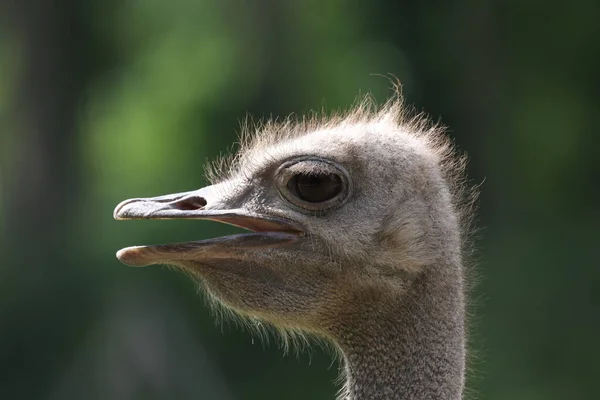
x=268, y=230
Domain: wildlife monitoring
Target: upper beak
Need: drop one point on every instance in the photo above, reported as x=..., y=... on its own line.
x=203, y=204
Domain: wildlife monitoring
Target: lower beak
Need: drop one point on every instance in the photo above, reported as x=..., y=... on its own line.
x=268, y=231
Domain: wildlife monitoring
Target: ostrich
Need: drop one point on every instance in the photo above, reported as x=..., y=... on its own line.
x=359, y=225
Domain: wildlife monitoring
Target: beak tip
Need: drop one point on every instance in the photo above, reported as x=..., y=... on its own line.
x=122, y=255
x=131, y=256
x=118, y=211
x=119, y=254
x=132, y=209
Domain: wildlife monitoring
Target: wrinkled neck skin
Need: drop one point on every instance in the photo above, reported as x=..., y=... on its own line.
x=410, y=347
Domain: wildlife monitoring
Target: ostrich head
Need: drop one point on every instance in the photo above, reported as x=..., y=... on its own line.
x=354, y=229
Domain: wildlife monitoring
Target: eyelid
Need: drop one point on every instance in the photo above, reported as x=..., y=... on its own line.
x=311, y=168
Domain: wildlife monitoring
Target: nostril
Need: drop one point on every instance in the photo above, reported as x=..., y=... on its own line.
x=190, y=203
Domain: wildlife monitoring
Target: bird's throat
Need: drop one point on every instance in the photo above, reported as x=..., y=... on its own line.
x=413, y=349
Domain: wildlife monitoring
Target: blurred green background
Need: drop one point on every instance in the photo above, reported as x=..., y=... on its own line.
x=106, y=100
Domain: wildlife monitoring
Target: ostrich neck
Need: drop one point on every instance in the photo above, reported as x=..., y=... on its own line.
x=411, y=346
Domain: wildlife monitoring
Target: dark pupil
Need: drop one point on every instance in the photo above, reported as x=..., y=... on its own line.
x=315, y=188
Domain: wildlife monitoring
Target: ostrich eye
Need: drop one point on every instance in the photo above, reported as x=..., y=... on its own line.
x=315, y=188
x=313, y=185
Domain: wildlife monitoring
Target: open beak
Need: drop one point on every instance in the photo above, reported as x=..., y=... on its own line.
x=267, y=231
